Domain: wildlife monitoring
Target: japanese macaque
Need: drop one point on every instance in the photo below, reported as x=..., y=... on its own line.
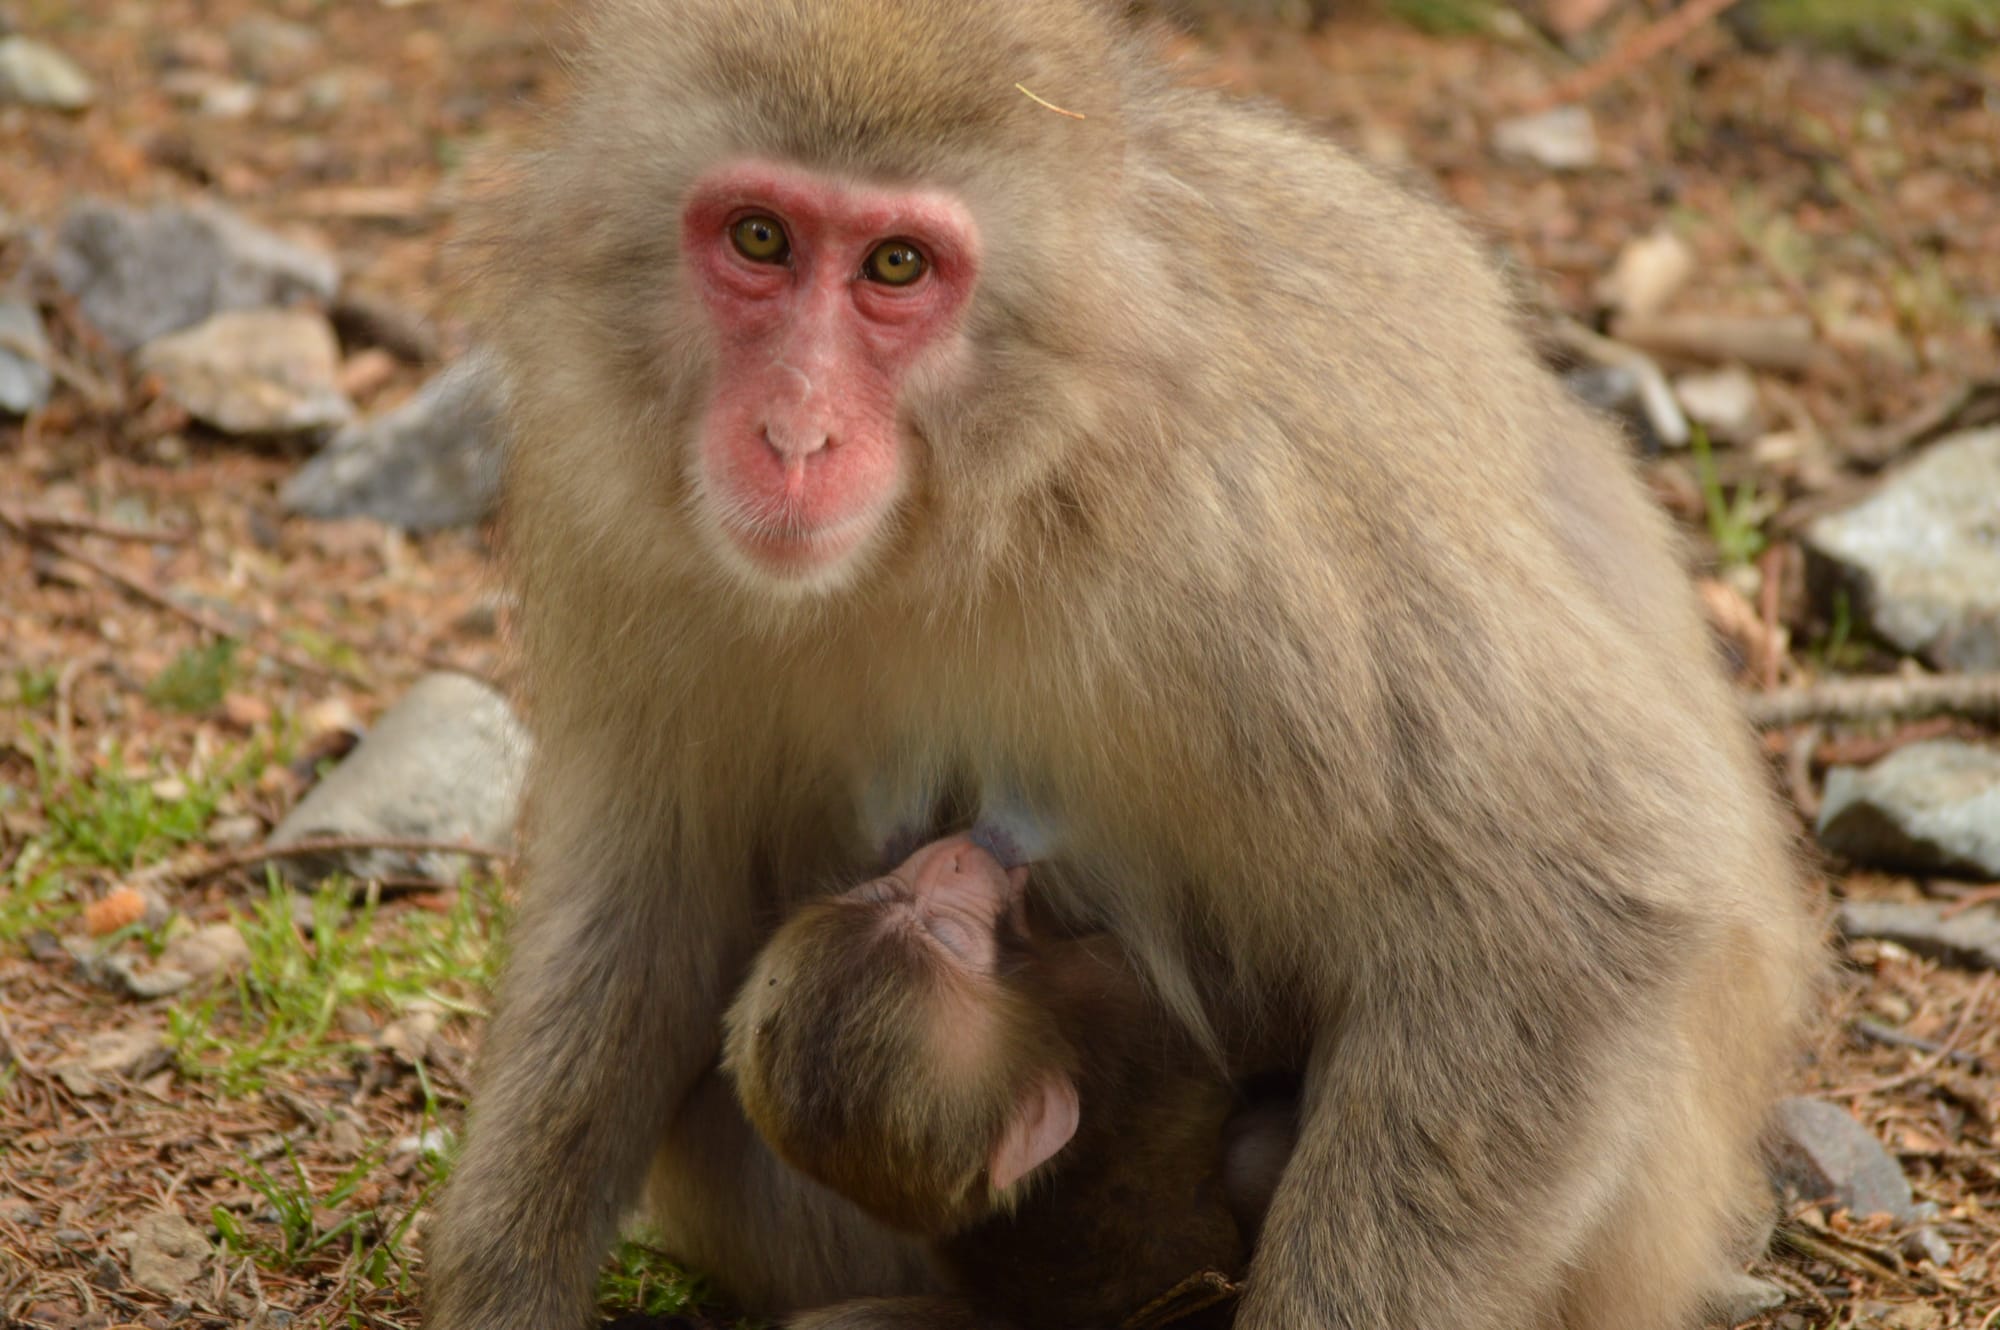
x=931, y=395
x=915, y=1044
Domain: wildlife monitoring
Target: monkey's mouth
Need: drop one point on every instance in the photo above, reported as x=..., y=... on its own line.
x=794, y=548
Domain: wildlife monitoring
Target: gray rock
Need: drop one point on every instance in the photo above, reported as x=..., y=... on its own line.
x=165, y=1253
x=1921, y=553
x=432, y=462
x=254, y=371
x=1971, y=938
x=1564, y=139
x=39, y=75
x=1931, y=807
x=445, y=763
x=25, y=380
x=1821, y=1152
x=141, y=274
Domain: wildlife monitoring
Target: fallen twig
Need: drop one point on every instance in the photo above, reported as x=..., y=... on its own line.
x=217, y=864
x=208, y=623
x=1976, y=695
x=100, y=395
x=91, y=526
x=1629, y=54
x=1966, y=406
x=1933, y=1061
x=1879, y=1033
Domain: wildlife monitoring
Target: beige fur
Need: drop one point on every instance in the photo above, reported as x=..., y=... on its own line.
x=1361, y=675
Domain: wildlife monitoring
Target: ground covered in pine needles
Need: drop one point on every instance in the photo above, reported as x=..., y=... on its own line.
x=180, y=659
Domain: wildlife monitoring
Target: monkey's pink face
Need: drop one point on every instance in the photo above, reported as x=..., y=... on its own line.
x=825, y=298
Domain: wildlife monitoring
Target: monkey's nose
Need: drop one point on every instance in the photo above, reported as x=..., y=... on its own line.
x=795, y=445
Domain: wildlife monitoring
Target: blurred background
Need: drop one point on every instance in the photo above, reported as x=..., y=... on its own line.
x=258, y=756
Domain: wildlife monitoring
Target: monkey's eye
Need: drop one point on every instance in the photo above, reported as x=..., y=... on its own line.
x=760, y=239
x=894, y=263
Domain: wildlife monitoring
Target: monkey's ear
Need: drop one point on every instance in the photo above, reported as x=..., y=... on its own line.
x=1042, y=1124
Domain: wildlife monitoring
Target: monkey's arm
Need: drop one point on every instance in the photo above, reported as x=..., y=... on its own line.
x=601, y=1028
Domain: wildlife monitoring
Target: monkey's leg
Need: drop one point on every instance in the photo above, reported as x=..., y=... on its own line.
x=774, y=1240
x=1468, y=1120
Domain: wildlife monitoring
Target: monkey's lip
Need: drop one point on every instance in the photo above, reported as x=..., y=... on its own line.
x=799, y=549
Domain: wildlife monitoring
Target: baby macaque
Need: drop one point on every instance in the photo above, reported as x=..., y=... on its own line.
x=924, y=1047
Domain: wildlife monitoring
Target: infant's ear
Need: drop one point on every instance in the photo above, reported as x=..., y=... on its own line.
x=1042, y=1124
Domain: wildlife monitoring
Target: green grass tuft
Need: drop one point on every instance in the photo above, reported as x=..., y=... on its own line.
x=196, y=680
x=1735, y=522
x=281, y=1014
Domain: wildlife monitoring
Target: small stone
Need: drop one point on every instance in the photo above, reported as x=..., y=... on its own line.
x=39, y=75
x=1648, y=273
x=131, y=1054
x=1970, y=937
x=1564, y=139
x=1822, y=1152
x=1929, y=807
x=140, y=274
x=158, y=982
x=227, y=99
x=25, y=380
x=344, y=1141
x=435, y=1140
x=1921, y=556
x=409, y=1037
x=269, y=48
x=355, y=1021
x=165, y=1253
x=104, y=1273
x=257, y=371
x=445, y=763
x=1723, y=402
x=432, y=462
x=211, y=952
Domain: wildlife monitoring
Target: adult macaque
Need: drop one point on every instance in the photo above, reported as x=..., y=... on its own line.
x=915, y=1044
x=927, y=394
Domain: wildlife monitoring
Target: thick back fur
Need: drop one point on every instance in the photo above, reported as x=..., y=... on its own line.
x=1364, y=679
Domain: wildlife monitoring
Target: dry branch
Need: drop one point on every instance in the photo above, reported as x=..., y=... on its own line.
x=1973, y=695
x=319, y=845
x=1629, y=54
